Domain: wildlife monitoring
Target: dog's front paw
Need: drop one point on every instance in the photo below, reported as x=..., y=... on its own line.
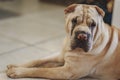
x=15, y=72
x=11, y=66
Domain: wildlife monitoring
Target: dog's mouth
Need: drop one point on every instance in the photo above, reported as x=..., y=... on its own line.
x=83, y=44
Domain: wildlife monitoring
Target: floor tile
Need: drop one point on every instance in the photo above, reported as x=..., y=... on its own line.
x=32, y=28
x=21, y=56
x=7, y=44
x=53, y=45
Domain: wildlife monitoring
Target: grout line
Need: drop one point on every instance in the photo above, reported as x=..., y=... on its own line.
x=58, y=50
x=41, y=48
x=12, y=38
x=51, y=38
x=32, y=44
x=29, y=45
x=4, y=53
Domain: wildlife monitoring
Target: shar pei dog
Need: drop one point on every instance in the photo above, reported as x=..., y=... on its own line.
x=90, y=48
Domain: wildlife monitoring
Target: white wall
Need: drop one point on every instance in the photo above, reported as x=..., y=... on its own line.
x=116, y=14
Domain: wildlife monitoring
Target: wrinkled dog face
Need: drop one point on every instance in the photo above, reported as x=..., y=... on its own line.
x=81, y=25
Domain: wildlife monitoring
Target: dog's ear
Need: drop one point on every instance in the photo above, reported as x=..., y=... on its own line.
x=100, y=11
x=70, y=8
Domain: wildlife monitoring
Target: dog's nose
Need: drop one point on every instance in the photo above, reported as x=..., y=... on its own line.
x=81, y=35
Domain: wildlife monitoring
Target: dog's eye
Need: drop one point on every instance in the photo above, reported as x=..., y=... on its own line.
x=92, y=23
x=74, y=21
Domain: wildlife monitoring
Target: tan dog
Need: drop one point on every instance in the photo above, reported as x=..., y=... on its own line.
x=91, y=48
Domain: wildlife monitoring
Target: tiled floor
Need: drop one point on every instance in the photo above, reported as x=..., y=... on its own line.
x=36, y=33
x=30, y=36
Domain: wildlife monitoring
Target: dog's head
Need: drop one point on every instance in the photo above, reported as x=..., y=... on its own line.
x=82, y=22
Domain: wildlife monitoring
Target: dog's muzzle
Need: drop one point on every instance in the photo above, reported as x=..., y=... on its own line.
x=81, y=35
x=82, y=40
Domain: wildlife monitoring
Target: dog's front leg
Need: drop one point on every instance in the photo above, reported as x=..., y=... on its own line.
x=63, y=72
x=56, y=58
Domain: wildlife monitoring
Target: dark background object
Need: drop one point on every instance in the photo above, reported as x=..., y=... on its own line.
x=63, y=2
x=4, y=14
x=100, y=3
x=7, y=14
